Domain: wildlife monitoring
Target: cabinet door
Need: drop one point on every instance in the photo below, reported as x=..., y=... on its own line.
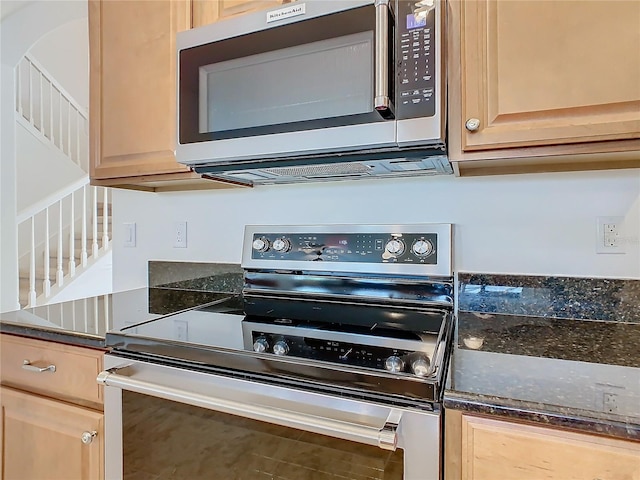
x=133, y=86
x=210, y=11
x=42, y=438
x=549, y=72
x=481, y=448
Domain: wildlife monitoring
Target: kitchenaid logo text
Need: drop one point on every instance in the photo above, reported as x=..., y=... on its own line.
x=292, y=11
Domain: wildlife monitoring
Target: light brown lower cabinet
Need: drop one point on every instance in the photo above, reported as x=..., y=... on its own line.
x=43, y=438
x=51, y=411
x=485, y=448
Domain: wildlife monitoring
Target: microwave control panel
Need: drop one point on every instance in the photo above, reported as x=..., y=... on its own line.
x=416, y=54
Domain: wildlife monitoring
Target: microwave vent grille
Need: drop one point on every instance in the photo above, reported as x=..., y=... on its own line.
x=350, y=168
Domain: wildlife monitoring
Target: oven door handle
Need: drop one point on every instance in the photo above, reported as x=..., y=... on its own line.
x=385, y=437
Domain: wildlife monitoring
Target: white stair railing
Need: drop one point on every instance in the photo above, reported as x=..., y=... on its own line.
x=76, y=205
x=42, y=103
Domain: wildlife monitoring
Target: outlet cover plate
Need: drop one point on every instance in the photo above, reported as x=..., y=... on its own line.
x=180, y=235
x=609, y=235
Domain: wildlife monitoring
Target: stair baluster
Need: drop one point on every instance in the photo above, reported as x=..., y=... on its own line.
x=72, y=239
x=105, y=219
x=83, y=252
x=32, y=265
x=60, y=270
x=94, y=222
x=31, y=93
x=46, y=283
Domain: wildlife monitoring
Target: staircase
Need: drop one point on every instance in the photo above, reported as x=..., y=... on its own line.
x=62, y=235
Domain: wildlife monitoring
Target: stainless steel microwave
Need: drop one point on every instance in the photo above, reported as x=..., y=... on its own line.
x=315, y=90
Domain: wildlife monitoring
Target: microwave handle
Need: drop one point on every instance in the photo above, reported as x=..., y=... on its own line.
x=381, y=102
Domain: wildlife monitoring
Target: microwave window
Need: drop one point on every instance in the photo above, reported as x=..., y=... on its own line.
x=323, y=79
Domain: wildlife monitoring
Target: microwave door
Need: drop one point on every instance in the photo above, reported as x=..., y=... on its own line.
x=310, y=87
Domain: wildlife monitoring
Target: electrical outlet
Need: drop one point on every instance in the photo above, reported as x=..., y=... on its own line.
x=610, y=402
x=129, y=235
x=180, y=238
x=609, y=238
x=181, y=330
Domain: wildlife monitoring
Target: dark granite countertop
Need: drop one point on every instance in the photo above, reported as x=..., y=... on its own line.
x=562, y=352
x=173, y=286
x=519, y=354
x=86, y=321
x=82, y=322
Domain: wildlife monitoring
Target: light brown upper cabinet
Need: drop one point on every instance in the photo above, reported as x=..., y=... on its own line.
x=555, y=80
x=133, y=94
x=210, y=11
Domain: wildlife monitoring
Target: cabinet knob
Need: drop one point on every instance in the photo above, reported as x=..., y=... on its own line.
x=473, y=124
x=87, y=437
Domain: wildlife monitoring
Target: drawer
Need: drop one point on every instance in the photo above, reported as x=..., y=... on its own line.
x=74, y=378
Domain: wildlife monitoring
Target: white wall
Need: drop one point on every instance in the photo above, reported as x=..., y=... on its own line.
x=42, y=169
x=8, y=230
x=542, y=224
x=64, y=53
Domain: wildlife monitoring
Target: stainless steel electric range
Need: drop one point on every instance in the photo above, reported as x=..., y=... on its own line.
x=340, y=337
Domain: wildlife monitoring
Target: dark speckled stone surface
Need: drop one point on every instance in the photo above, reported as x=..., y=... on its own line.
x=174, y=286
x=204, y=277
x=577, y=340
x=557, y=351
x=560, y=297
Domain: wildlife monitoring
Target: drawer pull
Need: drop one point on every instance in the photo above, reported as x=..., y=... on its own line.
x=26, y=364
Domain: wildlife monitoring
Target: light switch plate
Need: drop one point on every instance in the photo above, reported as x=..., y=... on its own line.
x=129, y=235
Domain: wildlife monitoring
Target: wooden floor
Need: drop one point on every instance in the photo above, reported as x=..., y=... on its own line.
x=166, y=440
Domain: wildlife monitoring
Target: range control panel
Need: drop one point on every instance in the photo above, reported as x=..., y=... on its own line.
x=416, y=53
x=347, y=247
x=413, y=249
x=392, y=355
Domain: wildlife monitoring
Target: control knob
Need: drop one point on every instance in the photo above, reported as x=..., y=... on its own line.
x=394, y=364
x=281, y=245
x=260, y=345
x=422, y=248
x=395, y=246
x=281, y=348
x=261, y=244
x=420, y=366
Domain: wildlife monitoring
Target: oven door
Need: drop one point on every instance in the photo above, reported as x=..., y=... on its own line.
x=167, y=422
x=314, y=80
